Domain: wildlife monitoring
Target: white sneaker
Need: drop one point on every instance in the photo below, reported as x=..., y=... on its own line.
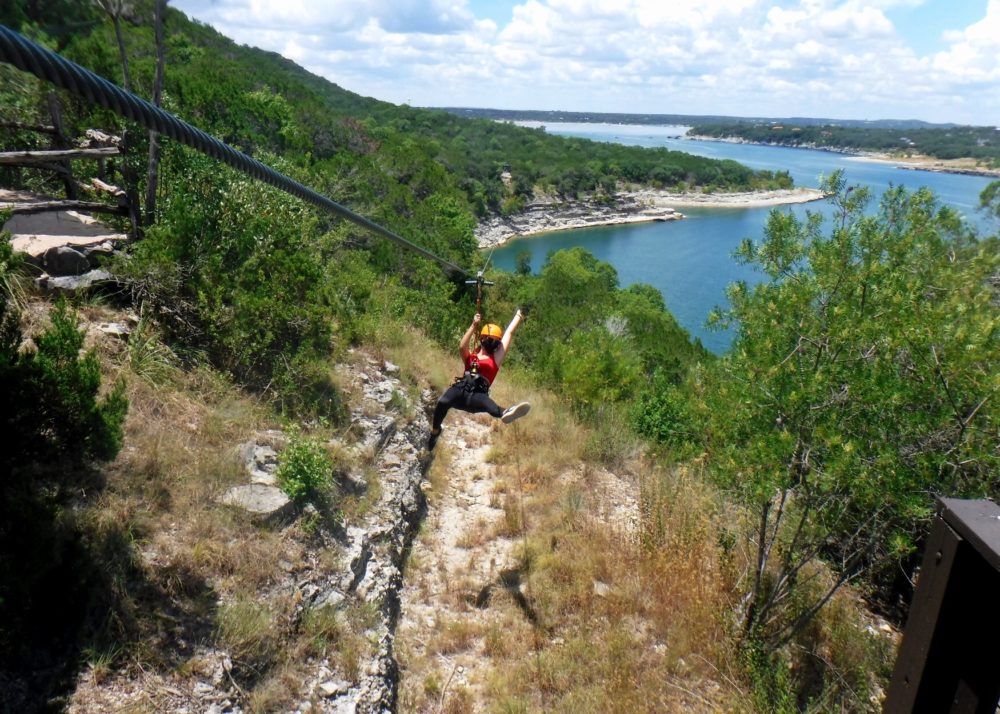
x=515, y=412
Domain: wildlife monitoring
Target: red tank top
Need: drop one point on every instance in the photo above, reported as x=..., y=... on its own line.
x=485, y=365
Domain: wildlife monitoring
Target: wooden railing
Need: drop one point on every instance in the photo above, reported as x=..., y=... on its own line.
x=949, y=659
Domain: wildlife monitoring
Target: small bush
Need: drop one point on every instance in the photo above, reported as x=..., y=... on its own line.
x=304, y=467
x=51, y=410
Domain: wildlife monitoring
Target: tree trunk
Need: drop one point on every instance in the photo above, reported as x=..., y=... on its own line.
x=126, y=77
x=130, y=177
x=130, y=183
x=750, y=617
x=153, y=168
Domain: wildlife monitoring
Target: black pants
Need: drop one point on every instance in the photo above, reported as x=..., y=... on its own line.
x=458, y=397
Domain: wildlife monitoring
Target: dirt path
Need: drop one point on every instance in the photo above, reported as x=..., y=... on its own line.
x=459, y=553
x=462, y=602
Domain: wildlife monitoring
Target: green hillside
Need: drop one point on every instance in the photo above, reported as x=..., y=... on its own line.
x=860, y=386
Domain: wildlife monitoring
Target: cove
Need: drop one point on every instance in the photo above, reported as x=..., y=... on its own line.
x=690, y=261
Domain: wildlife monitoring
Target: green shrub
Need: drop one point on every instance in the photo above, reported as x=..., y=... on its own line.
x=55, y=426
x=50, y=407
x=304, y=467
x=306, y=388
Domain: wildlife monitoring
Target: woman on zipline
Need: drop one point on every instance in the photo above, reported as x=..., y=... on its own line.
x=471, y=391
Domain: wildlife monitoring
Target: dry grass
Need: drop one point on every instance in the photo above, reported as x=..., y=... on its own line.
x=628, y=617
x=452, y=636
x=625, y=621
x=437, y=474
x=246, y=627
x=546, y=442
x=475, y=534
x=421, y=361
x=187, y=571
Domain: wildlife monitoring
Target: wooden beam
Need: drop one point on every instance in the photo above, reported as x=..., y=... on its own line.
x=13, y=158
x=40, y=128
x=20, y=209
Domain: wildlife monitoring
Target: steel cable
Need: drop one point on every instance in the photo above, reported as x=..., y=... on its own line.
x=50, y=67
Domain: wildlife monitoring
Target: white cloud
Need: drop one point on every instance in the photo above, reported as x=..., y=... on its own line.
x=855, y=21
x=974, y=55
x=837, y=58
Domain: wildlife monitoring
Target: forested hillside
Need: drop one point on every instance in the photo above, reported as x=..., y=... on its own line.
x=860, y=384
x=259, y=101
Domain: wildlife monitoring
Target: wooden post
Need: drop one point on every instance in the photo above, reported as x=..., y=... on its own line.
x=949, y=659
x=153, y=166
x=59, y=141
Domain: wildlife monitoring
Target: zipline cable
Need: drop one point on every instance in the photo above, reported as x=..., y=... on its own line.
x=50, y=67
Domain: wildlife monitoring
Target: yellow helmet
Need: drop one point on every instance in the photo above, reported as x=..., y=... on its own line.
x=491, y=330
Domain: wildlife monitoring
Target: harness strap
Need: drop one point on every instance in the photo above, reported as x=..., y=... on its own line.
x=472, y=381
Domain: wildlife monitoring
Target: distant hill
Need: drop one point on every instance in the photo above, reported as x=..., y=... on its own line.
x=685, y=119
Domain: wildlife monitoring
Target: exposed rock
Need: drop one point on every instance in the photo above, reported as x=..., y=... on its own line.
x=261, y=461
x=97, y=251
x=35, y=233
x=341, y=567
x=267, y=504
x=115, y=329
x=374, y=549
x=334, y=687
x=72, y=285
x=63, y=260
x=550, y=213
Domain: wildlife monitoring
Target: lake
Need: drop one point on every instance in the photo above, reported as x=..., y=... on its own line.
x=690, y=261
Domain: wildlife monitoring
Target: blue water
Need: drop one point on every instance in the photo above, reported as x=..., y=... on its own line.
x=690, y=261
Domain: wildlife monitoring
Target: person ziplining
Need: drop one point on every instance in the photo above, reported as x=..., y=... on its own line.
x=471, y=391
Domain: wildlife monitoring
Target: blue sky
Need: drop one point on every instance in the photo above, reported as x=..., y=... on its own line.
x=924, y=24
x=937, y=60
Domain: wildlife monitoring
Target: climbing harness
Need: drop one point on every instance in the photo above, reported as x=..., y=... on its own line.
x=472, y=381
x=50, y=67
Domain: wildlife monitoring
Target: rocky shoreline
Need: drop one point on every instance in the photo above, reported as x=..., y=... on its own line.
x=549, y=213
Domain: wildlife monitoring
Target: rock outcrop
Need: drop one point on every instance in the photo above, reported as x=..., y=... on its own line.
x=551, y=213
x=374, y=548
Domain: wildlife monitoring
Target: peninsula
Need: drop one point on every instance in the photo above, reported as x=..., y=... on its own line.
x=547, y=213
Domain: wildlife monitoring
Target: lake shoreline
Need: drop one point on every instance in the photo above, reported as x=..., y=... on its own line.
x=921, y=163
x=549, y=214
